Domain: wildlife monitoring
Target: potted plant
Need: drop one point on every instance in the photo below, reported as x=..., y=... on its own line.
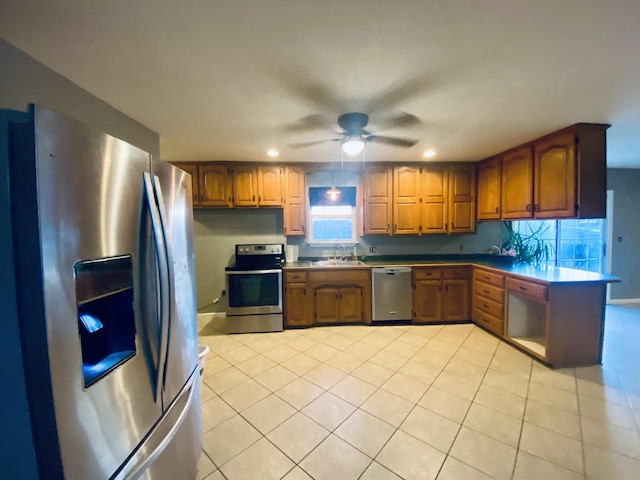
x=527, y=247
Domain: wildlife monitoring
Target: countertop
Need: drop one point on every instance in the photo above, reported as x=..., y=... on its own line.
x=544, y=273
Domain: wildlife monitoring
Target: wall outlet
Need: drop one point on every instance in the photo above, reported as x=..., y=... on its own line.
x=461, y=247
x=372, y=249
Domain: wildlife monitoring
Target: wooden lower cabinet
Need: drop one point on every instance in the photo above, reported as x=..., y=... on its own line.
x=298, y=307
x=488, y=300
x=327, y=296
x=441, y=294
x=338, y=305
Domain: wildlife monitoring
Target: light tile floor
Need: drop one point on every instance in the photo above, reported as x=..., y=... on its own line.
x=446, y=402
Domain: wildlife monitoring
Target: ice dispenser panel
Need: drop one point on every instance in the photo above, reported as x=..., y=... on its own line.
x=106, y=318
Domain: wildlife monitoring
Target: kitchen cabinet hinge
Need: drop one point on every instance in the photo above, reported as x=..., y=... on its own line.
x=577, y=207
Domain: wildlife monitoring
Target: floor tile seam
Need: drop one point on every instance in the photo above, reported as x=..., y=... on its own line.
x=597, y=420
x=272, y=428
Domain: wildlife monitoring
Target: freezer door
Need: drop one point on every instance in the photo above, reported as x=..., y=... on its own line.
x=173, y=190
x=92, y=209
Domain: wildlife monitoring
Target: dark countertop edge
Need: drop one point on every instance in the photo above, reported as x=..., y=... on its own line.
x=547, y=274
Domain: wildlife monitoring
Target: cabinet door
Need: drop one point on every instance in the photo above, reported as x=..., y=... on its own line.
x=378, y=200
x=245, y=187
x=434, y=200
x=406, y=200
x=555, y=178
x=462, y=199
x=297, y=306
x=294, y=203
x=455, y=300
x=517, y=184
x=350, y=309
x=269, y=188
x=192, y=169
x=326, y=304
x=489, y=186
x=427, y=301
x=215, y=186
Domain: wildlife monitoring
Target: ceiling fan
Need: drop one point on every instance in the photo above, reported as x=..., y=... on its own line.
x=355, y=135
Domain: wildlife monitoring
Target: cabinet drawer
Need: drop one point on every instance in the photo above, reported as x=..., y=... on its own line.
x=489, y=277
x=488, y=306
x=420, y=273
x=340, y=276
x=534, y=290
x=455, y=273
x=295, y=277
x=488, y=321
x=489, y=291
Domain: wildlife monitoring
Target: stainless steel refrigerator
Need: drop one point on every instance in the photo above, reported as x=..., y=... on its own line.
x=105, y=310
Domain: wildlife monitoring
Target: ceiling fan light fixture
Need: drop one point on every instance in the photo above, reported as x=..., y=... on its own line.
x=353, y=145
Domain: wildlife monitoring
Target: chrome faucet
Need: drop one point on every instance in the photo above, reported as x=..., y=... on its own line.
x=335, y=248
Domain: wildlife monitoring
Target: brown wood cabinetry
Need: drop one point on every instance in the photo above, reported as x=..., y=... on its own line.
x=192, y=169
x=488, y=300
x=269, y=186
x=462, y=199
x=517, y=178
x=341, y=295
x=562, y=175
x=440, y=294
x=298, y=308
x=414, y=200
x=294, y=201
x=378, y=200
x=489, y=188
x=215, y=185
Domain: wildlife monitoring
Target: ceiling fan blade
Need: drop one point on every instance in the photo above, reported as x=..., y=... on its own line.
x=310, y=122
x=306, y=87
x=404, y=91
x=311, y=144
x=393, y=141
x=401, y=120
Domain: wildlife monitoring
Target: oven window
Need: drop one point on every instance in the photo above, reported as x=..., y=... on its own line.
x=254, y=290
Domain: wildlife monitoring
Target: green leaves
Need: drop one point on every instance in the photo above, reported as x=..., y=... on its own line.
x=527, y=247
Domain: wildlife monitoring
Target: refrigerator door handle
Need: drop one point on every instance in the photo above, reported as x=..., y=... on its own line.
x=168, y=299
x=161, y=250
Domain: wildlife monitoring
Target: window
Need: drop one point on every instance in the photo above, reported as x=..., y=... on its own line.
x=576, y=243
x=332, y=220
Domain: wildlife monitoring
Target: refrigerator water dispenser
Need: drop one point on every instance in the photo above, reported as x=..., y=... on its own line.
x=106, y=318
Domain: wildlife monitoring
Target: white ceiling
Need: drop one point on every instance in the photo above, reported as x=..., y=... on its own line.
x=223, y=79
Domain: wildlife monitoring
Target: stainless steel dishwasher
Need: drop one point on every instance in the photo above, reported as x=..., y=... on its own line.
x=391, y=294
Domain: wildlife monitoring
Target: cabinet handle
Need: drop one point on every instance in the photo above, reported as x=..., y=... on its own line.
x=302, y=228
x=285, y=229
x=446, y=288
x=497, y=209
x=452, y=226
x=395, y=227
x=439, y=288
x=522, y=288
x=259, y=198
x=528, y=207
x=253, y=198
x=486, y=278
x=485, y=305
x=486, y=291
x=446, y=226
x=388, y=227
x=536, y=207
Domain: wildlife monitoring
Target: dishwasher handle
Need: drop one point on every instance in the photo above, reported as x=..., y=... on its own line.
x=391, y=270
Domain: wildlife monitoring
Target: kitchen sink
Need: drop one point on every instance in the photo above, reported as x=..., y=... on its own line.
x=337, y=263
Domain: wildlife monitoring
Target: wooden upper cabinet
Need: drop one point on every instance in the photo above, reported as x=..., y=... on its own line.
x=378, y=200
x=269, y=186
x=407, y=186
x=462, y=198
x=192, y=169
x=215, y=185
x=517, y=183
x=245, y=186
x=554, y=167
x=294, y=201
x=489, y=187
x=435, y=181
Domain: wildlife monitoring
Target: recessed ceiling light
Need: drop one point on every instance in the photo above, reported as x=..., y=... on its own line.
x=429, y=153
x=272, y=152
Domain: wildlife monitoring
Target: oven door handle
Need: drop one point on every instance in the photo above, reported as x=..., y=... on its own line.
x=252, y=272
